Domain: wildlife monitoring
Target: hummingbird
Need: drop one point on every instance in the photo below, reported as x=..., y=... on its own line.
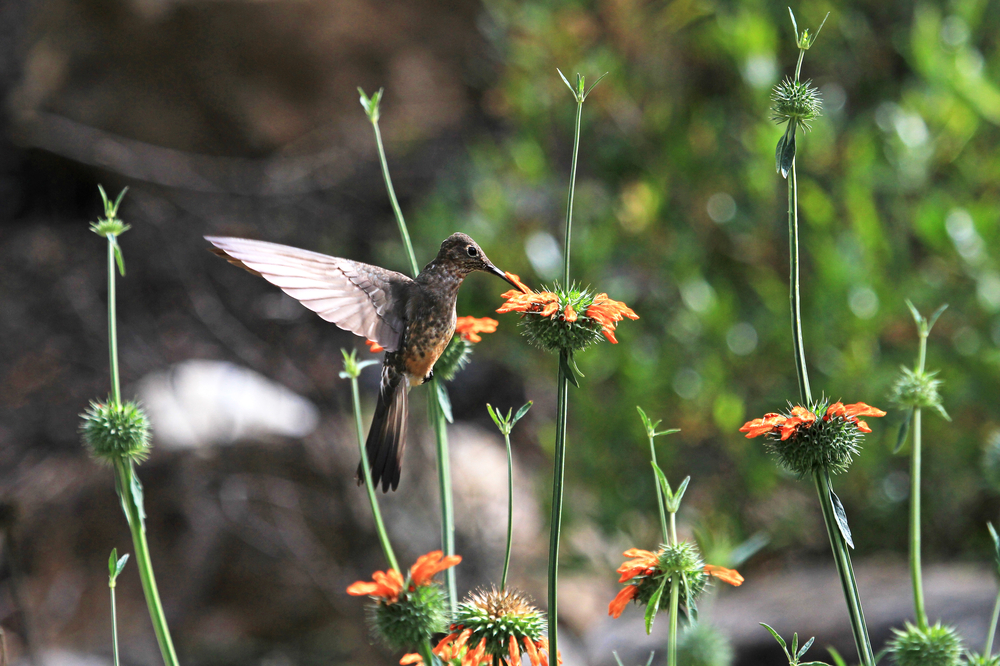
x=412, y=318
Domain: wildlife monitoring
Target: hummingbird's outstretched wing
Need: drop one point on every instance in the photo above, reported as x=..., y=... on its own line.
x=361, y=298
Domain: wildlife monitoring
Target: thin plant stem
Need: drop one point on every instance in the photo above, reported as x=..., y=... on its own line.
x=673, y=528
x=805, y=394
x=674, y=609
x=659, y=493
x=444, y=487
x=842, y=558
x=434, y=408
x=124, y=473
x=915, y=472
x=798, y=65
x=426, y=653
x=395, y=203
x=572, y=193
x=988, y=650
x=383, y=535
x=555, y=526
x=114, y=625
x=510, y=510
x=113, y=324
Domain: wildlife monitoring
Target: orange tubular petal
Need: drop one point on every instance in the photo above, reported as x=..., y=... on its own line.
x=861, y=409
x=532, y=652
x=863, y=427
x=374, y=347
x=516, y=280
x=513, y=651
x=550, y=309
x=609, y=333
x=462, y=640
x=836, y=409
x=412, y=658
x=730, y=576
x=618, y=604
x=803, y=414
x=363, y=588
x=443, y=643
x=569, y=314
x=639, y=552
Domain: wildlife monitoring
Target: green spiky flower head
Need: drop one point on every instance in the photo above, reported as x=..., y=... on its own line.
x=934, y=646
x=918, y=389
x=492, y=617
x=116, y=431
x=413, y=618
x=702, y=644
x=797, y=102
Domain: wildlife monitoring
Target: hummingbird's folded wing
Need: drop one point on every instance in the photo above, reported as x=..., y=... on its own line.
x=357, y=297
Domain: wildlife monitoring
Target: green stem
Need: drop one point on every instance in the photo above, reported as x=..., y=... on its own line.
x=510, y=510
x=444, y=487
x=674, y=609
x=134, y=514
x=798, y=65
x=659, y=493
x=988, y=650
x=395, y=203
x=113, y=324
x=383, y=535
x=673, y=528
x=842, y=558
x=426, y=653
x=805, y=394
x=572, y=193
x=915, y=483
x=114, y=624
x=555, y=526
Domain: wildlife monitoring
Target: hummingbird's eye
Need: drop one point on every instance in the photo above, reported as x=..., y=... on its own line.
x=472, y=251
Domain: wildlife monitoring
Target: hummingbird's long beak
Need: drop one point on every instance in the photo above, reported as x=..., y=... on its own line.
x=499, y=273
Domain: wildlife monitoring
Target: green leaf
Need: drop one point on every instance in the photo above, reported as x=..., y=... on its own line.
x=798, y=655
x=666, y=432
x=568, y=370
x=137, y=495
x=748, y=549
x=904, y=430
x=841, y=516
x=497, y=419
x=781, y=641
x=795, y=643
x=119, y=258
x=617, y=659
x=779, y=151
x=646, y=423
x=934, y=317
x=568, y=84
x=650, y=660
x=692, y=605
x=787, y=156
x=120, y=564
x=664, y=484
x=521, y=412
x=113, y=560
x=918, y=318
x=591, y=88
x=674, y=503
x=814, y=663
x=654, y=605
x=795, y=26
x=444, y=401
x=996, y=545
x=837, y=659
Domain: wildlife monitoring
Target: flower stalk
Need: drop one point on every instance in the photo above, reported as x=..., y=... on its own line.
x=436, y=411
x=796, y=104
x=115, y=566
x=352, y=370
x=118, y=433
x=506, y=424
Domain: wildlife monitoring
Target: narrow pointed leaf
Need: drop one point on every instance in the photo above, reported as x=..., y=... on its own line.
x=591, y=88
x=365, y=364
x=795, y=26
x=904, y=430
x=664, y=484
x=779, y=151
x=748, y=549
x=566, y=81
x=120, y=564
x=495, y=417
x=112, y=563
x=521, y=412
x=837, y=659
x=805, y=648
x=666, y=432
x=617, y=659
x=841, y=516
x=788, y=153
x=691, y=605
x=934, y=317
x=444, y=401
x=568, y=370
x=679, y=495
x=917, y=317
x=795, y=643
x=781, y=641
x=653, y=607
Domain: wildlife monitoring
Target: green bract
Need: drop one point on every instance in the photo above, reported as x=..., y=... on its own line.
x=918, y=389
x=554, y=333
x=413, y=618
x=797, y=102
x=496, y=615
x=934, y=646
x=116, y=431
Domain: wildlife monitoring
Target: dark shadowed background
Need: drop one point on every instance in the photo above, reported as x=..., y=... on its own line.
x=242, y=118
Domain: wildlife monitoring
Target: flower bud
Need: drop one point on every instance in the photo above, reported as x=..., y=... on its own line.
x=413, y=619
x=114, y=431
x=934, y=646
x=796, y=101
x=918, y=389
x=702, y=644
x=496, y=616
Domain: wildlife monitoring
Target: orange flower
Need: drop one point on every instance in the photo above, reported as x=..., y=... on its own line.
x=800, y=416
x=618, y=604
x=430, y=564
x=730, y=576
x=470, y=327
x=411, y=658
x=569, y=314
x=531, y=302
x=532, y=651
x=374, y=347
x=763, y=425
x=543, y=652
x=608, y=313
x=516, y=280
x=643, y=563
x=385, y=584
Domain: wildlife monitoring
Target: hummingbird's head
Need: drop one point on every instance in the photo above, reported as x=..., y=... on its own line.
x=465, y=256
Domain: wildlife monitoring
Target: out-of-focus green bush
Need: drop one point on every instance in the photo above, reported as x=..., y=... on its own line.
x=681, y=215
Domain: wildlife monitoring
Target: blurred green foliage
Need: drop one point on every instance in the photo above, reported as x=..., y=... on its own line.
x=680, y=214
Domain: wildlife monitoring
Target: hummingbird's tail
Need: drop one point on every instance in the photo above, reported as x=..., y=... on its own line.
x=387, y=435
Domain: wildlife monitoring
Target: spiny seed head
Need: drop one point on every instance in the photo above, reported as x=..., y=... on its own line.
x=819, y=445
x=455, y=357
x=796, y=101
x=412, y=619
x=918, y=389
x=934, y=646
x=115, y=431
x=702, y=644
x=109, y=227
x=682, y=558
x=498, y=614
x=555, y=333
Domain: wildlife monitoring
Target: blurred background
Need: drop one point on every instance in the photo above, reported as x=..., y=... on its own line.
x=242, y=118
